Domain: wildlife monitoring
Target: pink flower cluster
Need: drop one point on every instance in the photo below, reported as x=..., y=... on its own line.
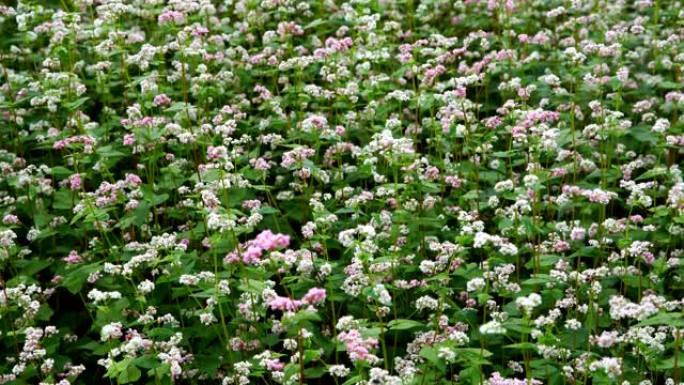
x=87, y=141
x=313, y=297
x=296, y=155
x=284, y=304
x=171, y=16
x=129, y=139
x=218, y=152
x=432, y=73
x=595, y=196
x=161, y=100
x=274, y=365
x=358, y=347
x=145, y=121
x=72, y=258
x=75, y=181
x=251, y=251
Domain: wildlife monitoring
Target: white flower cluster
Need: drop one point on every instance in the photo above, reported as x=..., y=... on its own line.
x=528, y=303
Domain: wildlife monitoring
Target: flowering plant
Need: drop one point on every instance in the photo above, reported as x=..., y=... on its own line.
x=350, y=192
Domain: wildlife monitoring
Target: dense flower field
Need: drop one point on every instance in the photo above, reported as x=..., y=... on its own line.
x=341, y=192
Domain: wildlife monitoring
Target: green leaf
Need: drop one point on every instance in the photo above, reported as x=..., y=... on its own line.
x=109, y=152
x=430, y=353
x=315, y=23
x=470, y=375
x=268, y=210
x=656, y=171
x=474, y=352
x=404, y=324
x=75, y=279
x=353, y=380
x=30, y=267
x=643, y=135
x=522, y=346
x=668, y=85
x=62, y=200
x=159, y=199
x=672, y=319
x=305, y=315
x=130, y=374
x=76, y=103
x=670, y=363
x=60, y=172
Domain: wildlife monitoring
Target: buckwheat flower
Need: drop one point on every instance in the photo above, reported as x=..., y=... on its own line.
x=100, y=296
x=661, y=125
x=170, y=16
x=428, y=267
x=189, y=280
x=599, y=196
x=94, y=277
x=314, y=122
x=308, y=230
x=274, y=365
x=284, y=304
x=338, y=370
x=502, y=186
x=10, y=219
x=432, y=73
x=577, y=233
x=252, y=255
x=218, y=152
x=606, y=339
x=161, y=100
x=339, y=45
x=210, y=200
x=207, y=318
x=623, y=74
x=129, y=140
x=446, y=354
x=496, y=379
x=561, y=246
x=492, y=327
x=269, y=241
x=610, y=365
x=453, y=181
x=146, y=287
x=528, y=303
x=260, y=164
x=399, y=95
x=475, y=284
x=358, y=348
x=290, y=344
x=314, y=296
x=199, y=31
x=573, y=324
x=32, y=234
x=216, y=221
x=289, y=28
x=383, y=294
x=675, y=197
x=133, y=180
x=75, y=181
x=507, y=248
x=72, y=258
x=426, y=302
x=492, y=122
x=673, y=262
x=7, y=238
x=111, y=331
x=47, y=365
